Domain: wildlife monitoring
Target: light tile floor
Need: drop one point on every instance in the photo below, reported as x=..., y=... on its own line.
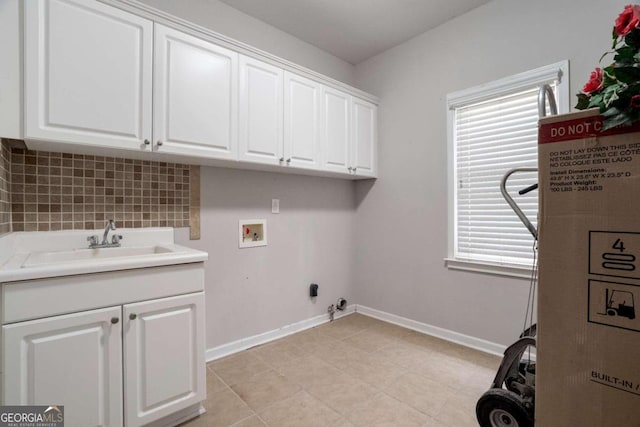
x=355, y=371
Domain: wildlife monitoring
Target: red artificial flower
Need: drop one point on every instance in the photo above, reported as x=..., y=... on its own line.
x=594, y=83
x=635, y=101
x=628, y=20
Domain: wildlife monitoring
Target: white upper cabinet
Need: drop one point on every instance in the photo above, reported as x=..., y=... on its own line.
x=336, y=133
x=195, y=96
x=102, y=80
x=261, y=112
x=74, y=360
x=364, y=140
x=302, y=116
x=87, y=74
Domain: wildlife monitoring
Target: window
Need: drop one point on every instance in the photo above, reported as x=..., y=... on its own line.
x=494, y=128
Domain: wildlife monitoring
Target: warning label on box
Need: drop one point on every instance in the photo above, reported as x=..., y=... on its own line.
x=614, y=304
x=590, y=169
x=614, y=254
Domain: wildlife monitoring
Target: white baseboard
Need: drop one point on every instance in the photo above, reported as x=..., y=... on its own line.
x=445, y=334
x=265, y=337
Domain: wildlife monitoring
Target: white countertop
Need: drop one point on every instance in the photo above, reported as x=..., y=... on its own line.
x=143, y=247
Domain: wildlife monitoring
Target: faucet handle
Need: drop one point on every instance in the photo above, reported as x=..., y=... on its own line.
x=93, y=240
x=116, y=238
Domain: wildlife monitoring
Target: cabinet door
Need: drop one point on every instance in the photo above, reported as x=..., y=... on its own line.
x=195, y=96
x=336, y=134
x=73, y=360
x=302, y=106
x=164, y=368
x=261, y=109
x=364, y=154
x=87, y=74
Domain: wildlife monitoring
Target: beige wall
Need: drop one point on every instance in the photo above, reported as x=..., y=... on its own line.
x=396, y=229
x=232, y=23
x=251, y=291
x=254, y=290
x=402, y=218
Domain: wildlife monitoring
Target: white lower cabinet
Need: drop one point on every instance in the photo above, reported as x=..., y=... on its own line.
x=146, y=356
x=163, y=357
x=73, y=360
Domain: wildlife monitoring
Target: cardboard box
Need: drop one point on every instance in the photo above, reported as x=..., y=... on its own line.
x=588, y=343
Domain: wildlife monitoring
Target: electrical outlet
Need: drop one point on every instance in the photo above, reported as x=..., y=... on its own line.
x=275, y=206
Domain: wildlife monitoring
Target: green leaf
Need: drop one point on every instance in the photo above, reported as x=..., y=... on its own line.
x=583, y=101
x=608, y=76
x=617, y=120
x=626, y=52
x=596, y=101
x=625, y=55
x=610, y=112
x=627, y=74
x=633, y=38
x=609, y=97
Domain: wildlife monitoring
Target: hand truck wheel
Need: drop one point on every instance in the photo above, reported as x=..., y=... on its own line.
x=502, y=408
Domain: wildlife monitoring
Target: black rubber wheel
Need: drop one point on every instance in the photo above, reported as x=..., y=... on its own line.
x=502, y=408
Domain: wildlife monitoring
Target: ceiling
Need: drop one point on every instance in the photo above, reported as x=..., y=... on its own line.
x=354, y=30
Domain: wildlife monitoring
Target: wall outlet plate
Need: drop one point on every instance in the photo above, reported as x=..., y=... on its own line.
x=252, y=233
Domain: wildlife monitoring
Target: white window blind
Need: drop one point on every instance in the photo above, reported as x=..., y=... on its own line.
x=490, y=138
x=492, y=128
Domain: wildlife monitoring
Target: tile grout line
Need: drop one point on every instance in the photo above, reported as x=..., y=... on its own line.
x=390, y=341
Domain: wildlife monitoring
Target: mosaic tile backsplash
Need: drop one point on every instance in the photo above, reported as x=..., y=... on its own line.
x=57, y=191
x=5, y=195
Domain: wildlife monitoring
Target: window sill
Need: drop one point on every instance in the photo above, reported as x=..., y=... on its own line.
x=510, y=270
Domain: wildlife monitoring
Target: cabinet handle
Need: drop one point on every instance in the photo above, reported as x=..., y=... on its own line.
x=133, y=316
x=114, y=320
x=289, y=160
x=281, y=159
x=350, y=168
x=147, y=142
x=354, y=170
x=159, y=143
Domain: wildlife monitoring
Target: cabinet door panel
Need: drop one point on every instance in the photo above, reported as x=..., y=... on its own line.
x=336, y=136
x=164, y=357
x=302, y=99
x=364, y=137
x=87, y=74
x=195, y=96
x=73, y=360
x=261, y=110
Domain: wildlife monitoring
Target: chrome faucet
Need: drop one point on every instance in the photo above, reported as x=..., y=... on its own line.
x=115, y=239
x=110, y=226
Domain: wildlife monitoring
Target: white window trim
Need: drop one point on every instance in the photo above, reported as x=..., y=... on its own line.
x=558, y=72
